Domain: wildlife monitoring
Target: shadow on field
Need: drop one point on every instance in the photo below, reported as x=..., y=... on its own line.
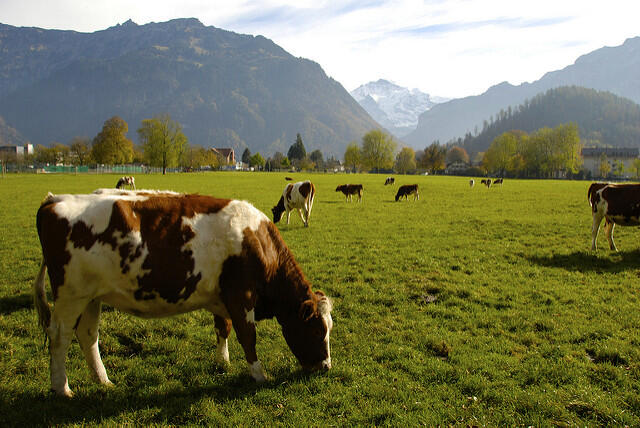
x=11, y=304
x=94, y=405
x=604, y=261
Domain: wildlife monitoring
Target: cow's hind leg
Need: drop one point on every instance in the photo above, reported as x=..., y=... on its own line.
x=595, y=227
x=87, y=334
x=223, y=328
x=60, y=331
x=608, y=228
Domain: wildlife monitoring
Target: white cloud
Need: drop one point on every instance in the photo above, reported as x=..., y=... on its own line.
x=444, y=47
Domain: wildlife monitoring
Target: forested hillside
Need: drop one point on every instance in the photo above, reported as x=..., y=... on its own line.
x=603, y=119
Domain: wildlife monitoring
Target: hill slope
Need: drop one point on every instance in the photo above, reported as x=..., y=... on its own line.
x=603, y=119
x=613, y=69
x=226, y=89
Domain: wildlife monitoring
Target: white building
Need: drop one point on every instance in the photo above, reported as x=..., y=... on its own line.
x=614, y=155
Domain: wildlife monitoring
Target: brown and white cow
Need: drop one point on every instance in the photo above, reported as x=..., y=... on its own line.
x=126, y=181
x=472, y=183
x=617, y=204
x=156, y=254
x=351, y=189
x=406, y=190
x=298, y=196
x=389, y=180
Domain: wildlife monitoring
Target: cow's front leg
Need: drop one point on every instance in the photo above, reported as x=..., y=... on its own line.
x=245, y=326
x=608, y=228
x=87, y=334
x=288, y=216
x=304, y=216
x=223, y=328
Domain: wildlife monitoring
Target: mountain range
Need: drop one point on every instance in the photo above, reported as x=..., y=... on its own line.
x=393, y=106
x=613, y=69
x=225, y=89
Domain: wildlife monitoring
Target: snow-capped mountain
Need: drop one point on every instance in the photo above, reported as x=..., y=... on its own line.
x=394, y=107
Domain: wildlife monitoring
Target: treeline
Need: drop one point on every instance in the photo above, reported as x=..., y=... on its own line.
x=545, y=153
x=604, y=119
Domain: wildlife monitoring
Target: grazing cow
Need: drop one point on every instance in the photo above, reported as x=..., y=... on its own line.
x=295, y=196
x=472, y=183
x=406, y=190
x=128, y=181
x=498, y=181
x=617, y=204
x=156, y=254
x=486, y=182
x=288, y=179
x=351, y=189
x=389, y=180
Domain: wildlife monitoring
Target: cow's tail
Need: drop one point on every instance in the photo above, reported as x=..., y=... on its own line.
x=40, y=299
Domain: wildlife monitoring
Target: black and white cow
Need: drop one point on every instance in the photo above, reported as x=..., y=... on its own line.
x=126, y=181
x=616, y=204
x=389, y=180
x=298, y=196
x=156, y=254
x=406, y=190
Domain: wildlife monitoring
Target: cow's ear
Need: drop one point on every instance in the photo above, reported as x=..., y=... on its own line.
x=307, y=309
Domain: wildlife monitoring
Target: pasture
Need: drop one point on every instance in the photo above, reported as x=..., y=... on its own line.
x=468, y=307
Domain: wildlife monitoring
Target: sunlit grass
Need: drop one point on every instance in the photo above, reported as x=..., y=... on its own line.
x=470, y=306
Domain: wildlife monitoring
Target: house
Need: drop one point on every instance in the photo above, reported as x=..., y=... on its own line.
x=227, y=155
x=593, y=157
x=456, y=167
x=12, y=152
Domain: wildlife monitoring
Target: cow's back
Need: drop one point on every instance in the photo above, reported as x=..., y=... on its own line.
x=148, y=253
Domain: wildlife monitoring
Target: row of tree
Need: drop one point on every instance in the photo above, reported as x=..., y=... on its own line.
x=545, y=153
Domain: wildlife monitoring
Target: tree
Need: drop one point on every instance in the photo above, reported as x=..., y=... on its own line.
x=257, y=160
x=62, y=153
x=162, y=141
x=499, y=156
x=80, y=151
x=317, y=158
x=353, y=156
x=45, y=155
x=246, y=156
x=457, y=154
x=434, y=157
x=636, y=167
x=377, y=150
x=604, y=169
x=406, y=160
x=111, y=146
x=297, y=151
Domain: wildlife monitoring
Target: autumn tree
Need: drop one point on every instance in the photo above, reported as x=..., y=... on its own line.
x=257, y=160
x=604, y=168
x=457, y=154
x=162, y=141
x=499, y=156
x=353, y=156
x=406, y=160
x=433, y=158
x=377, y=150
x=111, y=146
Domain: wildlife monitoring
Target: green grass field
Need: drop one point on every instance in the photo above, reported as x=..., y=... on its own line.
x=468, y=307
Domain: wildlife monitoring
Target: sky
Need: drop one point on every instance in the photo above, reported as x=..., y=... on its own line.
x=446, y=48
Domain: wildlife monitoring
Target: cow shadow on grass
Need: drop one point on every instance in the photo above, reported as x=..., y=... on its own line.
x=588, y=261
x=11, y=304
x=95, y=404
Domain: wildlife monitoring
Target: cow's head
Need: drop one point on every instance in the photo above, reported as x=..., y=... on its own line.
x=307, y=334
x=278, y=210
x=339, y=188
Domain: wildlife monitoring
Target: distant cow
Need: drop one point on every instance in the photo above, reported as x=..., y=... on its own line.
x=617, y=204
x=389, y=180
x=156, y=254
x=288, y=178
x=486, y=182
x=472, y=183
x=298, y=196
x=126, y=181
x=406, y=190
x=351, y=189
x=498, y=181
